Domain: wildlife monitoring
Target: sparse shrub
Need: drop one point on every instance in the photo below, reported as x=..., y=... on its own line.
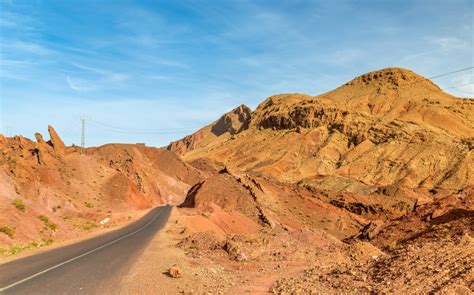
x=89, y=225
x=8, y=230
x=15, y=249
x=33, y=244
x=47, y=242
x=47, y=222
x=88, y=205
x=19, y=204
x=86, y=225
x=43, y=218
x=53, y=226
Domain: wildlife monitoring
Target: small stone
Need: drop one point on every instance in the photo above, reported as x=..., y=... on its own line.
x=175, y=272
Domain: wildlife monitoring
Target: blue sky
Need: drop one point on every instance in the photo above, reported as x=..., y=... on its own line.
x=154, y=71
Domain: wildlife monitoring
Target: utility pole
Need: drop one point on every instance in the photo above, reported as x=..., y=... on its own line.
x=8, y=130
x=83, y=134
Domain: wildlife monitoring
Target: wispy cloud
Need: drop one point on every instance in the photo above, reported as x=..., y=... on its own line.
x=450, y=43
x=12, y=20
x=93, y=78
x=27, y=47
x=79, y=85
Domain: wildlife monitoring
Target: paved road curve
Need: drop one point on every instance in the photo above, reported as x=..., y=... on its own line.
x=94, y=266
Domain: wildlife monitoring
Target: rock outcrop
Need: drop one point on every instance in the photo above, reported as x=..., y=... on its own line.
x=56, y=141
x=233, y=122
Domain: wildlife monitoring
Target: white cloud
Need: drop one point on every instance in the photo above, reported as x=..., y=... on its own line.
x=102, y=76
x=78, y=85
x=449, y=43
x=27, y=47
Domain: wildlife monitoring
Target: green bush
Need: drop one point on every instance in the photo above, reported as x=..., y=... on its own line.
x=8, y=230
x=88, y=205
x=18, y=203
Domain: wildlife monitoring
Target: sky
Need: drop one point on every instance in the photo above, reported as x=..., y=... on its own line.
x=155, y=71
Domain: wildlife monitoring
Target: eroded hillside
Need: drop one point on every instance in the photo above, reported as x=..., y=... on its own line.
x=51, y=192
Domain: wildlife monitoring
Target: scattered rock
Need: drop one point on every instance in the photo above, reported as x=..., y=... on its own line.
x=175, y=272
x=234, y=251
x=369, y=231
x=105, y=221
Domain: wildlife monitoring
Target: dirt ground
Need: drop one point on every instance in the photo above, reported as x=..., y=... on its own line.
x=411, y=254
x=219, y=264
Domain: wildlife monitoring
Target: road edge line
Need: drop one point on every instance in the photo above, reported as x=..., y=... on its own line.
x=79, y=256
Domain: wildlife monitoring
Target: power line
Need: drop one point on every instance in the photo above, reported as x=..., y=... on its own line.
x=122, y=131
x=144, y=131
x=457, y=86
x=460, y=85
x=449, y=73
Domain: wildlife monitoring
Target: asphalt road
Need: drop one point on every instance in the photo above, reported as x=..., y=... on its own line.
x=94, y=266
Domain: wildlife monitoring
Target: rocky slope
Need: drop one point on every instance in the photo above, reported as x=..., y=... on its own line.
x=49, y=191
x=428, y=251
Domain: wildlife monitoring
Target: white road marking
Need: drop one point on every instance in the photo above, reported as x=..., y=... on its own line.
x=82, y=255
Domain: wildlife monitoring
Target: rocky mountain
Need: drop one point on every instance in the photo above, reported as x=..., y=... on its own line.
x=367, y=188
x=387, y=130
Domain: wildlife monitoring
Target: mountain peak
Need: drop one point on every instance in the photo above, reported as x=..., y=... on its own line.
x=393, y=78
x=233, y=122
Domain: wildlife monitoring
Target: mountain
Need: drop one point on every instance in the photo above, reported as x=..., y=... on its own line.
x=369, y=188
x=388, y=131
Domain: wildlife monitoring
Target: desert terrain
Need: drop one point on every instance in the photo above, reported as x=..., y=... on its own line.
x=368, y=188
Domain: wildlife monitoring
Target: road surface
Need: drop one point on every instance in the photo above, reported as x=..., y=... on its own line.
x=94, y=266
